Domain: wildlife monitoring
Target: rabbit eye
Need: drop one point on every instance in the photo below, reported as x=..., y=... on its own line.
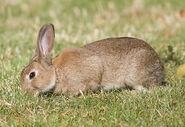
x=32, y=75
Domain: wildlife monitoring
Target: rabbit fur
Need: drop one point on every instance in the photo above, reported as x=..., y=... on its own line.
x=112, y=63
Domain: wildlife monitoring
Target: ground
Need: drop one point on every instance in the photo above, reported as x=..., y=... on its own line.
x=159, y=22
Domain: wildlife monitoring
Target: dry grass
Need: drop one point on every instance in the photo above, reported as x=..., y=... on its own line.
x=159, y=22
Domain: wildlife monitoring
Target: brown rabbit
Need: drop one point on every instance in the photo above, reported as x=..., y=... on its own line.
x=111, y=63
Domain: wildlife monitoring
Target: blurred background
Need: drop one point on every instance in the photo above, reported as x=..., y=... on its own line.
x=159, y=22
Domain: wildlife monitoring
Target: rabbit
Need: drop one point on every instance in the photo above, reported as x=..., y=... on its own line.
x=112, y=63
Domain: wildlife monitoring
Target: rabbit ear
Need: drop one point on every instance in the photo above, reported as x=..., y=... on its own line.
x=45, y=41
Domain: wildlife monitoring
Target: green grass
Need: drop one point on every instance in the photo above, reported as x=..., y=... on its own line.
x=80, y=22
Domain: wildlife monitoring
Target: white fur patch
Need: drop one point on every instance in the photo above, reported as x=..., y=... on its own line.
x=50, y=86
x=140, y=88
x=36, y=93
x=111, y=86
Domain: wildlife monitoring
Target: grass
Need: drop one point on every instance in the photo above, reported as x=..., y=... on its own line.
x=159, y=22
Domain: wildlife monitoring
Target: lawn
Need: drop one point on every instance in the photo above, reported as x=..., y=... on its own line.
x=159, y=22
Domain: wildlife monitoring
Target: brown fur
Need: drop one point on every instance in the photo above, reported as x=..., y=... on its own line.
x=109, y=63
x=77, y=69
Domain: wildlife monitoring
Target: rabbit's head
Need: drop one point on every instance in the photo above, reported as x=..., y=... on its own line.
x=39, y=75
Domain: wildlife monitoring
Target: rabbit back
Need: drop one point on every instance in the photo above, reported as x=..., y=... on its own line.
x=128, y=62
